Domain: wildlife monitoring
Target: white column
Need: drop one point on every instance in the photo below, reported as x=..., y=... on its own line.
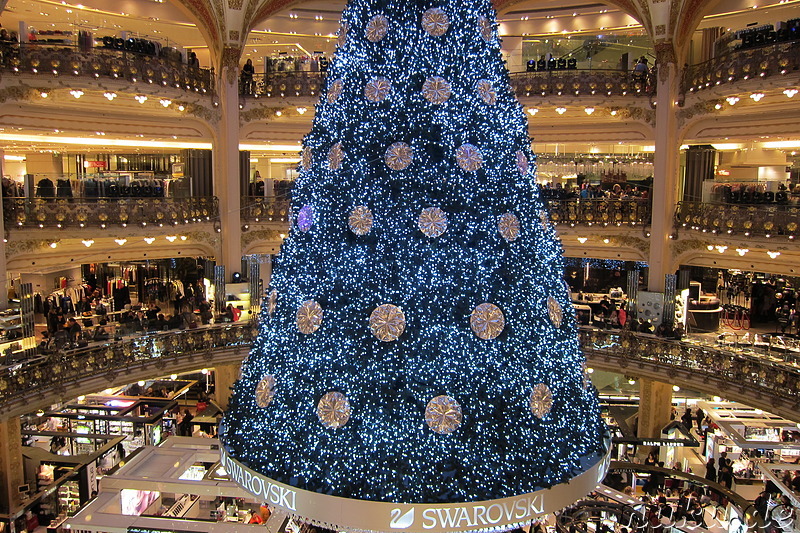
x=665, y=175
x=226, y=170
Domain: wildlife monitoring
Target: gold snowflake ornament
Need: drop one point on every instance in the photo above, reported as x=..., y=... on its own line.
x=377, y=89
x=487, y=321
x=522, y=162
x=335, y=156
x=443, y=415
x=307, y=158
x=309, y=317
x=469, y=158
x=272, y=302
x=333, y=410
x=554, y=311
x=399, y=156
x=377, y=28
x=485, y=27
x=486, y=91
x=360, y=220
x=541, y=400
x=435, y=21
x=432, y=222
x=334, y=91
x=265, y=391
x=436, y=90
x=508, y=226
x=387, y=322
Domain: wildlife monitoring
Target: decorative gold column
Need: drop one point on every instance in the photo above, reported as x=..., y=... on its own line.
x=655, y=407
x=224, y=378
x=11, y=472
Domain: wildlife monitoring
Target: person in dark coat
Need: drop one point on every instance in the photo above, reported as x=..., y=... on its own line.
x=711, y=470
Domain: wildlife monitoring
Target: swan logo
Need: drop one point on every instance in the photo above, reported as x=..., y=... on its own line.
x=400, y=520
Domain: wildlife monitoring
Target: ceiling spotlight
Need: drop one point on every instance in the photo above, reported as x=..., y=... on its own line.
x=140, y=98
x=120, y=241
x=710, y=247
x=165, y=102
x=742, y=251
x=717, y=106
x=171, y=238
x=606, y=241
x=44, y=94
x=87, y=242
x=561, y=110
x=110, y=95
x=589, y=110
x=53, y=244
x=149, y=240
x=716, y=399
x=732, y=100
x=676, y=388
x=721, y=249
x=181, y=107
x=302, y=110
x=772, y=254
x=184, y=237
x=533, y=110
x=790, y=92
x=757, y=96
x=77, y=93
x=613, y=112
x=173, y=377
x=582, y=240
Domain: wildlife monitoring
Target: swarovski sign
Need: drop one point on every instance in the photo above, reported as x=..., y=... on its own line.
x=363, y=515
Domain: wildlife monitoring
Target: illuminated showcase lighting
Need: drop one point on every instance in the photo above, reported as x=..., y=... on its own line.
x=561, y=110
x=589, y=110
x=732, y=100
x=742, y=251
x=87, y=242
x=109, y=95
x=165, y=102
x=790, y=92
x=140, y=98
x=757, y=96
x=77, y=93
x=120, y=241
x=772, y=254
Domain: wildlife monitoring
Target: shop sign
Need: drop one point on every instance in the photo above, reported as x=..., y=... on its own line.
x=95, y=164
x=336, y=512
x=138, y=529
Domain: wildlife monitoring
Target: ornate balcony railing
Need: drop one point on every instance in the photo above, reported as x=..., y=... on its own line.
x=265, y=209
x=757, y=379
x=61, y=372
x=753, y=378
x=550, y=82
x=763, y=220
x=106, y=212
x=602, y=212
x=772, y=60
x=581, y=82
x=70, y=61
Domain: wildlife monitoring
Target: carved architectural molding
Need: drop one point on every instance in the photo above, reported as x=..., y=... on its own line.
x=265, y=113
x=260, y=235
x=230, y=63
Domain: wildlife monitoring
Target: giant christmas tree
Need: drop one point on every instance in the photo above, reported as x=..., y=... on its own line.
x=418, y=342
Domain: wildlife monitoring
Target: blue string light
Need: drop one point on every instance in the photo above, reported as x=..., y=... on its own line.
x=385, y=451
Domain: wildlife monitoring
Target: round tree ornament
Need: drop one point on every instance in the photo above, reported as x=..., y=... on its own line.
x=508, y=226
x=309, y=317
x=435, y=21
x=432, y=222
x=522, y=162
x=377, y=28
x=469, y=158
x=399, y=156
x=360, y=220
x=486, y=91
x=344, y=27
x=377, y=89
x=334, y=91
x=541, y=400
x=436, y=90
x=443, y=415
x=333, y=410
x=554, y=311
x=265, y=391
x=272, y=302
x=387, y=322
x=487, y=321
x=335, y=156
x=485, y=28
x=305, y=218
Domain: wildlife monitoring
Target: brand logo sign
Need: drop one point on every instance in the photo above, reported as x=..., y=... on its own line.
x=259, y=485
x=469, y=516
x=346, y=513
